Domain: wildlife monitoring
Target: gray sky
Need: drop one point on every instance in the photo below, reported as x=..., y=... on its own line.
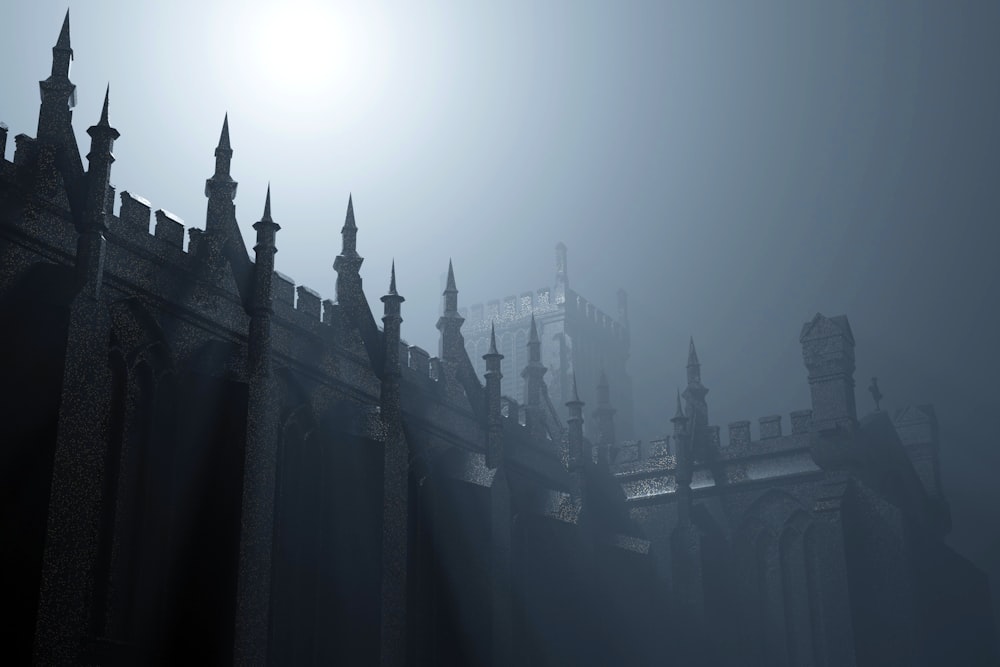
x=736, y=166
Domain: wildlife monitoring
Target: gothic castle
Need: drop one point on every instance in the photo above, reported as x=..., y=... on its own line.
x=203, y=464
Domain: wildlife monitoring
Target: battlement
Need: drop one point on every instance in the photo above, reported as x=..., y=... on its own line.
x=419, y=362
x=514, y=311
x=294, y=302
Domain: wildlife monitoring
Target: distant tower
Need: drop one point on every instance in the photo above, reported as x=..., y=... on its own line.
x=576, y=340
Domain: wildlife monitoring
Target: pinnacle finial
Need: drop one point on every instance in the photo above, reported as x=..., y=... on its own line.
x=104, y=111
x=493, y=339
x=450, y=286
x=224, y=137
x=392, y=278
x=267, y=204
x=63, y=41
x=533, y=333
x=692, y=354
x=349, y=220
x=679, y=415
x=576, y=395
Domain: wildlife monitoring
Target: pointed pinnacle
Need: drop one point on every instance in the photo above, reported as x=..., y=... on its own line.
x=63, y=41
x=392, y=278
x=267, y=204
x=533, y=334
x=104, y=111
x=450, y=287
x=692, y=355
x=349, y=220
x=576, y=394
x=680, y=412
x=493, y=339
x=224, y=137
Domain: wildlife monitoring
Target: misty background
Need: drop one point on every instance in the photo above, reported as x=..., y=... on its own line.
x=735, y=166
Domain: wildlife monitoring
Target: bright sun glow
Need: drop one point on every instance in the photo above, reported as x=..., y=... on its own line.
x=311, y=52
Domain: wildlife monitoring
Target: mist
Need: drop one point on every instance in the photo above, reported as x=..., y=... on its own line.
x=735, y=167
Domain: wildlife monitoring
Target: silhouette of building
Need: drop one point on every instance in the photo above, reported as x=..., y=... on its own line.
x=204, y=463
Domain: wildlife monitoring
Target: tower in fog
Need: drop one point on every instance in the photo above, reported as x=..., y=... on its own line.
x=577, y=338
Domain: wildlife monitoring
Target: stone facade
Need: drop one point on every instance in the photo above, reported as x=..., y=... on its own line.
x=204, y=463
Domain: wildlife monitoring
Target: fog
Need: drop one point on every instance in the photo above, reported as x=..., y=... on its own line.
x=735, y=166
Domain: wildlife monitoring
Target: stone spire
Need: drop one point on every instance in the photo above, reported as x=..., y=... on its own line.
x=220, y=189
x=604, y=414
x=396, y=491
x=450, y=291
x=450, y=323
x=58, y=92
x=349, y=232
x=348, y=262
x=391, y=321
x=577, y=455
x=534, y=371
x=494, y=426
x=264, y=250
x=682, y=446
x=93, y=225
x=534, y=382
x=221, y=183
x=100, y=157
x=695, y=404
x=258, y=347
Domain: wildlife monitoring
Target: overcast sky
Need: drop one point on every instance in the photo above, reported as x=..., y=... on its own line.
x=735, y=166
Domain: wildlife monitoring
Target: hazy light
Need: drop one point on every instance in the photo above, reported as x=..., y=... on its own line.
x=315, y=56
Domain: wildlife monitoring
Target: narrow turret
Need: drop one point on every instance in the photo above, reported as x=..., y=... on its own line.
x=93, y=223
x=58, y=93
x=534, y=383
x=220, y=189
x=263, y=275
x=260, y=457
x=534, y=371
x=577, y=456
x=348, y=262
x=696, y=407
x=450, y=323
x=391, y=321
x=494, y=425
